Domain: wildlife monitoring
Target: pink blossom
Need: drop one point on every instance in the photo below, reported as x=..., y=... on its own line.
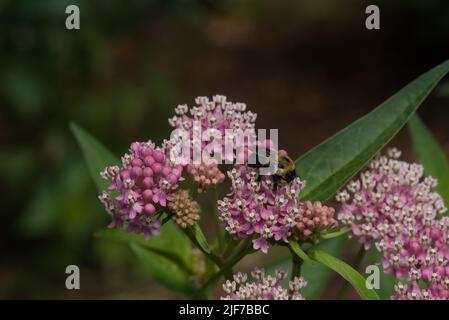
x=217, y=114
x=141, y=186
x=264, y=287
x=257, y=208
x=392, y=204
x=261, y=244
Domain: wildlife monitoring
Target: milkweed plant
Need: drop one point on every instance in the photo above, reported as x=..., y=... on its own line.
x=217, y=165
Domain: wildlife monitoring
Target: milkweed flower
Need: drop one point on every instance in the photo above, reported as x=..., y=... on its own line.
x=143, y=184
x=217, y=114
x=421, y=258
x=394, y=206
x=257, y=208
x=264, y=287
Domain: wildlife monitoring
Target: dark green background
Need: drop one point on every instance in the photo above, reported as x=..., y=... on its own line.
x=308, y=68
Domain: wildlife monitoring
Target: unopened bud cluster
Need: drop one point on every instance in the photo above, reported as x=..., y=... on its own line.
x=186, y=211
x=314, y=219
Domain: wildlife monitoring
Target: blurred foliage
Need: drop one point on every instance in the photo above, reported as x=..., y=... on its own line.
x=49, y=76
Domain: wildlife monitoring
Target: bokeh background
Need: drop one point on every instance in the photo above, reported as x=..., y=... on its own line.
x=308, y=68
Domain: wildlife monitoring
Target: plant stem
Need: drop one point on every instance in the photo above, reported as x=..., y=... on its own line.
x=296, y=265
x=296, y=268
x=356, y=265
x=216, y=259
x=226, y=268
x=231, y=245
x=166, y=219
x=218, y=228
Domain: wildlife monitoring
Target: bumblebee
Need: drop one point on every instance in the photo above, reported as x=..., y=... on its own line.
x=286, y=170
x=286, y=167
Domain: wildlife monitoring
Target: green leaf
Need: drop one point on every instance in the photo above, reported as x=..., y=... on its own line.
x=197, y=236
x=164, y=254
x=387, y=281
x=346, y=271
x=161, y=245
x=327, y=167
x=335, y=234
x=163, y=270
x=316, y=275
x=296, y=248
x=170, y=264
x=430, y=155
x=96, y=155
x=172, y=239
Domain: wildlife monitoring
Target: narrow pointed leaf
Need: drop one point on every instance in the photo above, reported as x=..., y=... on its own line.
x=163, y=270
x=346, y=271
x=317, y=275
x=162, y=245
x=327, y=167
x=334, y=234
x=96, y=155
x=430, y=155
x=296, y=248
x=197, y=236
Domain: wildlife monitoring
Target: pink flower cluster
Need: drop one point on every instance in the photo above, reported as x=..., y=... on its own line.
x=139, y=188
x=393, y=205
x=257, y=208
x=264, y=287
x=216, y=114
x=315, y=219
